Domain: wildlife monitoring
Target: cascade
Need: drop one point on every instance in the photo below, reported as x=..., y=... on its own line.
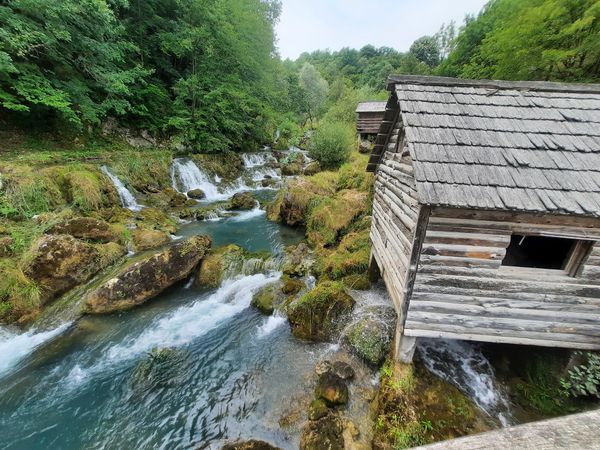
x=127, y=199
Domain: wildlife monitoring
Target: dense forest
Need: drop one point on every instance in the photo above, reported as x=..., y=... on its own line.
x=206, y=73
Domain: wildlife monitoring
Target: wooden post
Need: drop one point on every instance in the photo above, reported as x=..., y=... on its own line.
x=374, y=271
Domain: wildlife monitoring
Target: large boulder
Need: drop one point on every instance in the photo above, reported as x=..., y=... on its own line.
x=323, y=434
x=147, y=239
x=319, y=314
x=332, y=389
x=243, y=200
x=312, y=168
x=175, y=199
x=58, y=263
x=267, y=298
x=370, y=336
x=86, y=228
x=216, y=265
x=298, y=260
x=196, y=194
x=144, y=279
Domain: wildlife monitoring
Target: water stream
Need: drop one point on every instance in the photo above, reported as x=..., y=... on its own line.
x=127, y=198
x=465, y=366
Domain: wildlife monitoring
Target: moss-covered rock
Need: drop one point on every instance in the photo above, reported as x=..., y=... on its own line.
x=156, y=219
x=298, y=261
x=317, y=409
x=312, y=168
x=266, y=299
x=414, y=407
x=175, y=199
x=197, y=194
x=370, y=336
x=146, y=239
x=291, y=286
x=86, y=228
x=142, y=280
x=332, y=389
x=323, y=434
x=217, y=263
x=227, y=165
x=57, y=263
x=243, y=200
x=318, y=314
x=334, y=215
x=291, y=169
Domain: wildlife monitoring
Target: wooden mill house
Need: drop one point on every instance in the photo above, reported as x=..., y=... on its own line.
x=370, y=115
x=486, y=212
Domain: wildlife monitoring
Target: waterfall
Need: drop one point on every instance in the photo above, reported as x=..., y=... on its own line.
x=127, y=199
x=185, y=176
x=463, y=365
x=16, y=346
x=256, y=159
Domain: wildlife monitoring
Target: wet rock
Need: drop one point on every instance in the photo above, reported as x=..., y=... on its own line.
x=250, y=445
x=318, y=314
x=156, y=369
x=196, y=194
x=312, y=168
x=343, y=370
x=243, y=200
x=323, y=367
x=86, y=228
x=299, y=260
x=190, y=202
x=147, y=239
x=267, y=182
x=291, y=169
x=323, y=434
x=291, y=286
x=365, y=146
x=175, y=199
x=156, y=219
x=6, y=243
x=332, y=389
x=266, y=299
x=144, y=279
x=217, y=263
x=370, y=336
x=317, y=409
x=58, y=263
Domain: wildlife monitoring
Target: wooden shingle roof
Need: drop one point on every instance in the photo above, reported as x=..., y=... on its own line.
x=520, y=146
x=371, y=107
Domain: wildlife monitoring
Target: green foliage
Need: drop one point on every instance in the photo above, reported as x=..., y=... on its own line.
x=584, y=379
x=426, y=49
x=315, y=89
x=332, y=144
x=532, y=40
x=18, y=294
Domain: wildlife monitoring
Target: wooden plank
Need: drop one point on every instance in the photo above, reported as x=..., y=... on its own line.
x=463, y=335
x=467, y=238
x=427, y=261
x=509, y=324
x=464, y=251
x=483, y=311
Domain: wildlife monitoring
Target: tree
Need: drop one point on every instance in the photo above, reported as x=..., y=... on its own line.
x=315, y=88
x=426, y=49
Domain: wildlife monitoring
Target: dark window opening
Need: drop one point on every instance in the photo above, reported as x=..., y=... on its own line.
x=538, y=251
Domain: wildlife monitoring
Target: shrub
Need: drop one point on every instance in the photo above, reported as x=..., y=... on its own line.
x=584, y=379
x=332, y=144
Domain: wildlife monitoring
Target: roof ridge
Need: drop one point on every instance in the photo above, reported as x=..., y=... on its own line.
x=540, y=86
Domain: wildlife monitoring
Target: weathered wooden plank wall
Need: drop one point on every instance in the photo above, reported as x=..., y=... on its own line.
x=369, y=122
x=462, y=292
x=395, y=215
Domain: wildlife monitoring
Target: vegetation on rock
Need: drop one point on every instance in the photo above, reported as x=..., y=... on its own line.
x=316, y=316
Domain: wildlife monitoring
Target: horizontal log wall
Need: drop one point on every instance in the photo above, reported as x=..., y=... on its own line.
x=461, y=291
x=395, y=216
x=369, y=123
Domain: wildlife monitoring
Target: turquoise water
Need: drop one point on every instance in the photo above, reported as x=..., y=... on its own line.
x=232, y=373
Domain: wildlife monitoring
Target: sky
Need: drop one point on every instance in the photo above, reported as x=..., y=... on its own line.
x=307, y=25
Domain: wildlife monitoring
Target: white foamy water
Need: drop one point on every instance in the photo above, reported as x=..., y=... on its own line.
x=185, y=324
x=463, y=365
x=247, y=215
x=127, y=199
x=14, y=347
x=256, y=159
x=270, y=324
x=185, y=176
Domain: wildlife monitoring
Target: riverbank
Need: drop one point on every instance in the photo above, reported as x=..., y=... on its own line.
x=280, y=307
